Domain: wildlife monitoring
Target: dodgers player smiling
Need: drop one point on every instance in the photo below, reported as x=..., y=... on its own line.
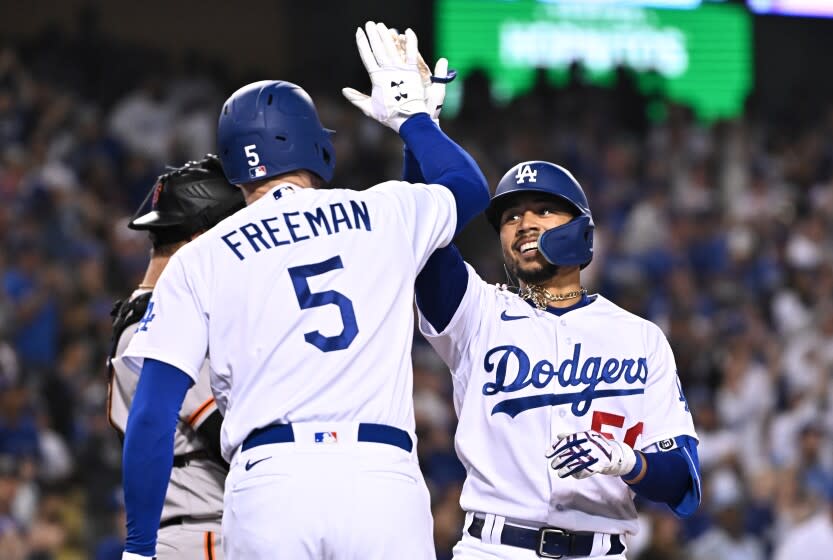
x=303, y=302
x=554, y=368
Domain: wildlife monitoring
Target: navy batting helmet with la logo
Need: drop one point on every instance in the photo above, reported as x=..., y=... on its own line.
x=567, y=245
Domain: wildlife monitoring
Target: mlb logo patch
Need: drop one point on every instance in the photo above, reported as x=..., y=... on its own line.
x=326, y=437
x=255, y=172
x=279, y=193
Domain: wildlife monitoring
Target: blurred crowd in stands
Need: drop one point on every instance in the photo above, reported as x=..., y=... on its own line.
x=721, y=233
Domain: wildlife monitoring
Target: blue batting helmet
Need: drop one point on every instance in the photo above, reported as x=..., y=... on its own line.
x=566, y=245
x=271, y=127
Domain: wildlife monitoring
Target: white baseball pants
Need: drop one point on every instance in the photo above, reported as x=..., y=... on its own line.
x=326, y=497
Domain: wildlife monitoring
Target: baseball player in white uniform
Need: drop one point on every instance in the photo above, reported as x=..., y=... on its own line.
x=553, y=368
x=303, y=303
x=184, y=203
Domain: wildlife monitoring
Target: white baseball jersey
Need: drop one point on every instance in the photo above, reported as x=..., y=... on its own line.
x=522, y=376
x=303, y=303
x=196, y=488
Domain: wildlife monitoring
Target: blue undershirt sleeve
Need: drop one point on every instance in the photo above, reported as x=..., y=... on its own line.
x=410, y=167
x=442, y=282
x=441, y=285
x=672, y=477
x=149, y=451
x=441, y=161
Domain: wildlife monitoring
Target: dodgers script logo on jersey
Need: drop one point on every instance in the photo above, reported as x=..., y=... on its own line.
x=514, y=371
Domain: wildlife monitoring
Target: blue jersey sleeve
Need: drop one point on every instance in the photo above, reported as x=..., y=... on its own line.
x=441, y=161
x=441, y=285
x=673, y=477
x=149, y=451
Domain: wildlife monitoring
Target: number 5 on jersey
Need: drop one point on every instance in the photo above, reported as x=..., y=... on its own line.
x=308, y=299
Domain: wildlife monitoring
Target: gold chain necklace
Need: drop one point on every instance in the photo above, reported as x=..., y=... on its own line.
x=539, y=296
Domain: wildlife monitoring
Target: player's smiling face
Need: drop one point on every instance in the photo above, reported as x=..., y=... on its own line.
x=527, y=216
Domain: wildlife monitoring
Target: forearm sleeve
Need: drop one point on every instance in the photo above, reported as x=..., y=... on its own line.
x=671, y=477
x=441, y=285
x=443, y=162
x=410, y=167
x=149, y=451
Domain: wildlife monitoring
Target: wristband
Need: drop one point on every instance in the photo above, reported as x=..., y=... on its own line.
x=638, y=471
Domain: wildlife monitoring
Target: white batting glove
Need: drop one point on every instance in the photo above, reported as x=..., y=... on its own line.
x=398, y=91
x=584, y=454
x=436, y=90
x=434, y=83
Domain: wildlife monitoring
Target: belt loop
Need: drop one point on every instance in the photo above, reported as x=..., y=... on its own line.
x=497, y=531
x=468, y=521
x=601, y=544
x=488, y=525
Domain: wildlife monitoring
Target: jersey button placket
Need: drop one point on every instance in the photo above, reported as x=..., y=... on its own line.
x=558, y=413
x=561, y=412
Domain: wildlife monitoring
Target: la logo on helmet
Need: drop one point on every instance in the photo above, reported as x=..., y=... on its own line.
x=526, y=172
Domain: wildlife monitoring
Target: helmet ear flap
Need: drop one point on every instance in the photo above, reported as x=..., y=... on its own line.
x=570, y=244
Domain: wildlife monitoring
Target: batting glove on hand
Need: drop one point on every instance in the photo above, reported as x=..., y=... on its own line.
x=434, y=83
x=584, y=454
x=398, y=91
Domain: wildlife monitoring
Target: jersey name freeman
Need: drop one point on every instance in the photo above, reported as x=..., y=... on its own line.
x=292, y=227
x=515, y=374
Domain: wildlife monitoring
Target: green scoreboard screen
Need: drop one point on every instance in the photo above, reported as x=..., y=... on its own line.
x=702, y=54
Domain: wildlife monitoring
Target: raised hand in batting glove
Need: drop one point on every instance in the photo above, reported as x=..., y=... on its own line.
x=584, y=454
x=434, y=83
x=398, y=91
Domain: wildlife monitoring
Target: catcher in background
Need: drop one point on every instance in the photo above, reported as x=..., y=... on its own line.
x=185, y=203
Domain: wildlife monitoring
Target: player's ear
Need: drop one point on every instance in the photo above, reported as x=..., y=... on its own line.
x=317, y=181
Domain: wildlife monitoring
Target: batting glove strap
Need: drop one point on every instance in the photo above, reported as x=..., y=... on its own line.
x=435, y=90
x=584, y=454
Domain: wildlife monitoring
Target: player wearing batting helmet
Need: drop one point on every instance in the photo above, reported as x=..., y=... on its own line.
x=549, y=366
x=303, y=302
x=184, y=203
